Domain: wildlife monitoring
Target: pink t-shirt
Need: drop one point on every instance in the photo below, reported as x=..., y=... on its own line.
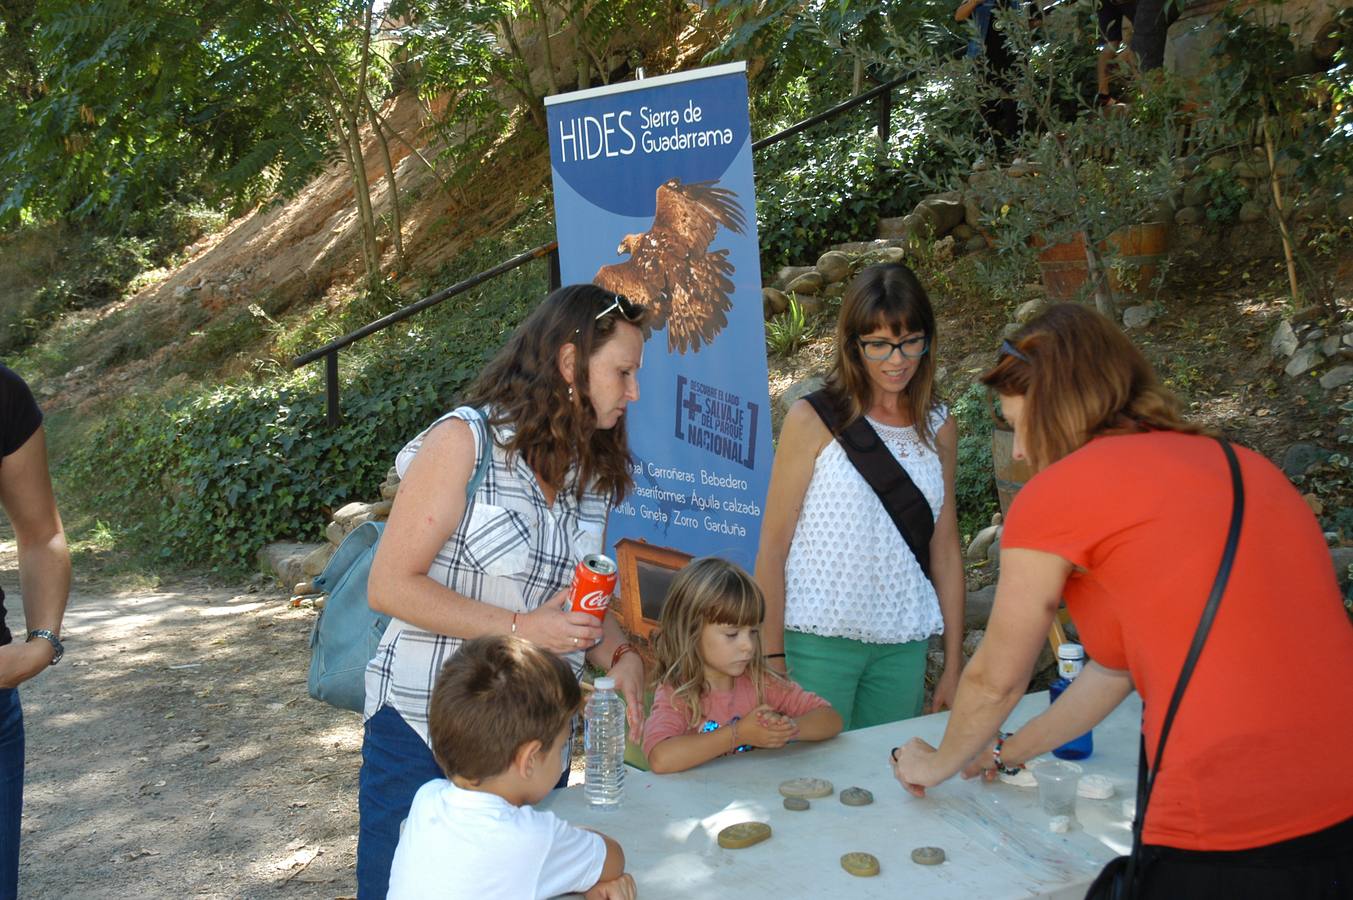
x=670, y=717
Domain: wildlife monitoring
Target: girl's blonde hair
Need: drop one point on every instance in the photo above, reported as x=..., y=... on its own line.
x=709, y=591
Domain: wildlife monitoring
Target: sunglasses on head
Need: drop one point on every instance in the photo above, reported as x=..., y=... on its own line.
x=625, y=306
x=1009, y=349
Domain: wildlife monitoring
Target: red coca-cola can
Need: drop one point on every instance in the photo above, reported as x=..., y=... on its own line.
x=594, y=581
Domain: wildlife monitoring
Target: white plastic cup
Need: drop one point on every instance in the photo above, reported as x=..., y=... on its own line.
x=1057, y=782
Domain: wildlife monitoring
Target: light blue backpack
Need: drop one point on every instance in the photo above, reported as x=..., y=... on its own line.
x=348, y=631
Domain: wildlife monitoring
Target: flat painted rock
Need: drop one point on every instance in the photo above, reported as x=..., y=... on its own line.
x=927, y=856
x=807, y=788
x=861, y=865
x=856, y=796
x=743, y=834
x=797, y=804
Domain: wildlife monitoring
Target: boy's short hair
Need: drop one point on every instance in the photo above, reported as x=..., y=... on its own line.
x=494, y=695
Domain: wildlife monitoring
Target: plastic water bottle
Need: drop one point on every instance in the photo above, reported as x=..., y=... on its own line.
x=1070, y=661
x=604, y=746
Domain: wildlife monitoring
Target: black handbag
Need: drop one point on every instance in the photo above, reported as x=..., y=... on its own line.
x=1121, y=878
x=901, y=498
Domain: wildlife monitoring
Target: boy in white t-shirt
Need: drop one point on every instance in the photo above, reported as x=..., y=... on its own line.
x=499, y=724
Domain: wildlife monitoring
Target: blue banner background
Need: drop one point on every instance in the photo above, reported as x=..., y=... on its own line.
x=687, y=496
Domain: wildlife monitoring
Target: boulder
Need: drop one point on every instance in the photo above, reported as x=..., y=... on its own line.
x=975, y=245
x=1219, y=163
x=1302, y=361
x=892, y=228
x=1251, y=169
x=894, y=255
x=1137, y=316
x=1284, y=340
x=797, y=391
x=1336, y=377
x=1342, y=557
x=978, y=607
x=977, y=550
x=350, y=515
x=1250, y=211
x=1189, y=215
x=334, y=533
x=972, y=212
x=1030, y=310
x=774, y=301
x=1196, y=192
x=1301, y=456
x=318, y=559
x=1010, y=329
x=1330, y=345
x=963, y=232
x=788, y=274
x=943, y=213
x=833, y=266
x=809, y=282
x=285, y=560
x=811, y=304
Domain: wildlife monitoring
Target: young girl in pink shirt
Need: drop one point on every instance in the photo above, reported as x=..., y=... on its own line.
x=715, y=695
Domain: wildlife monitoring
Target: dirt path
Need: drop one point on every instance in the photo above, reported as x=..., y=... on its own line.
x=174, y=752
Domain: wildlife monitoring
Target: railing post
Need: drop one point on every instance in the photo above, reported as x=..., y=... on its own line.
x=556, y=280
x=885, y=115
x=331, y=386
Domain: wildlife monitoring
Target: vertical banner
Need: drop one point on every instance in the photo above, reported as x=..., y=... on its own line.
x=653, y=199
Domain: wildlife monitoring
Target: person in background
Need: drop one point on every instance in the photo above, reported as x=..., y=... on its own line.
x=847, y=602
x=1126, y=517
x=549, y=413
x=44, y=578
x=1110, y=14
x=1000, y=112
x=500, y=721
x=715, y=695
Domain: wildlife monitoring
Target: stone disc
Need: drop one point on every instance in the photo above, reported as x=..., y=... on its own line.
x=797, y=804
x=743, y=834
x=807, y=788
x=861, y=865
x=927, y=856
x=856, y=796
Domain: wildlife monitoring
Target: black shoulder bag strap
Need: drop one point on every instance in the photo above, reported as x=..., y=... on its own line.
x=900, y=496
x=1146, y=780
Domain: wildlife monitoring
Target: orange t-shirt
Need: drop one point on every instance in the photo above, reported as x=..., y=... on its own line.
x=1259, y=750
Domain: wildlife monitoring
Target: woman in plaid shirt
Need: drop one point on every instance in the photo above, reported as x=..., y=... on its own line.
x=549, y=409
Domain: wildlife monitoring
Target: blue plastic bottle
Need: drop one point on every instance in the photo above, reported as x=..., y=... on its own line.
x=1070, y=661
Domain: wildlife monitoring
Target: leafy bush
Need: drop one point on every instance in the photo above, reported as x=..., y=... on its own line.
x=211, y=478
x=786, y=332
x=974, y=482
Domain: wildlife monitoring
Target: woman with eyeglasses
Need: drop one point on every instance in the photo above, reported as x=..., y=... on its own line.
x=1126, y=518
x=540, y=448
x=850, y=607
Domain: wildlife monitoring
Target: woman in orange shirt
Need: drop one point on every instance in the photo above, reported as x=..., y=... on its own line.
x=1126, y=519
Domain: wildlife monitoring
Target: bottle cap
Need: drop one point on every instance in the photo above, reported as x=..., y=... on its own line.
x=604, y=684
x=1070, y=650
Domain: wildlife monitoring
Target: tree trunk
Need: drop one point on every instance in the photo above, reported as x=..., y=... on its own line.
x=396, y=220
x=1099, y=277
x=1288, y=255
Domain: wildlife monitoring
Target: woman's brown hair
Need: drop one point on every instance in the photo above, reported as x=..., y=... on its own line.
x=1080, y=378
x=884, y=296
x=521, y=386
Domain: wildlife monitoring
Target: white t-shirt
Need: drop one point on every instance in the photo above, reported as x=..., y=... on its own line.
x=473, y=844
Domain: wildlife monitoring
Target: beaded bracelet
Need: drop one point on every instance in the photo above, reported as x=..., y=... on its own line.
x=996, y=755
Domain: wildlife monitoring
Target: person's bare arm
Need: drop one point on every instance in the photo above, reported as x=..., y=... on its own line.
x=946, y=568
x=819, y=724
x=1027, y=596
x=965, y=9
x=44, y=559
x=427, y=511
x=802, y=437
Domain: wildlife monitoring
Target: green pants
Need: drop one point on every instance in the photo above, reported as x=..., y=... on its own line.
x=868, y=684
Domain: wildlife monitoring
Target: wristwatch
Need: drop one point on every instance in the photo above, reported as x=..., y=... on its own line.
x=51, y=639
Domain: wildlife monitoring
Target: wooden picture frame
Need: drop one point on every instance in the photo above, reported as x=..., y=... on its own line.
x=646, y=572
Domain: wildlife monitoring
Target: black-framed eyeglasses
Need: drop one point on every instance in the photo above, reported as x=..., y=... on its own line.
x=879, y=350
x=625, y=306
x=1009, y=349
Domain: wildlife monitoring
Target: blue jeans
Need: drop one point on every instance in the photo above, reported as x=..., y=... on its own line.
x=395, y=764
x=11, y=790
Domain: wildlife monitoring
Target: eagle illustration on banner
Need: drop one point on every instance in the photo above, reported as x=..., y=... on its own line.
x=671, y=270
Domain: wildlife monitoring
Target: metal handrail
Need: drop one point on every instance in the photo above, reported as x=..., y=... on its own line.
x=883, y=92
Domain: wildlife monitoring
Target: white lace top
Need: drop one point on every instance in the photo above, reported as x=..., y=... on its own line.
x=849, y=572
